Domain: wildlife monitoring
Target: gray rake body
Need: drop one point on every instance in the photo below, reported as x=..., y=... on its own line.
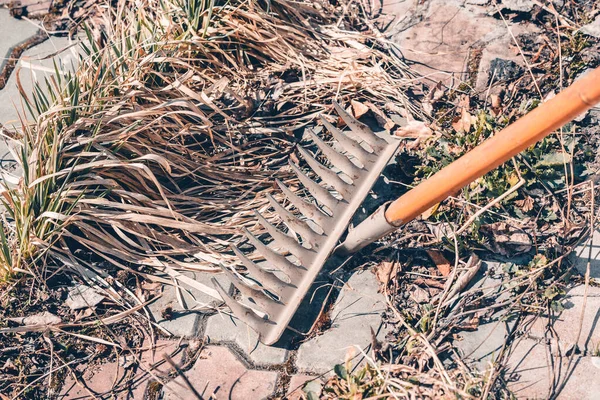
x=277, y=298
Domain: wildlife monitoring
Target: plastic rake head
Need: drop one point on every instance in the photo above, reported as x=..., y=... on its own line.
x=293, y=258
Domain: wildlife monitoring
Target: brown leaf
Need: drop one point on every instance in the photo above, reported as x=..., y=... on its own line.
x=45, y=318
x=385, y=271
x=466, y=120
x=432, y=283
x=442, y=264
x=419, y=295
x=358, y=109
x=380, y=117
x=526, y=204
x=414, y=129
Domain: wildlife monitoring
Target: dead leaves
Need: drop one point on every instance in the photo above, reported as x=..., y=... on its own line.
x=385, y=271
x=465, y=121
x=393, y=120
x=505, y=239
x=414, y=129
x=442, y=264
x=41, y=319
x=358, y=109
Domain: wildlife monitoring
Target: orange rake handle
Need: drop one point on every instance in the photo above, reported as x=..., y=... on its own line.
x=539, y=123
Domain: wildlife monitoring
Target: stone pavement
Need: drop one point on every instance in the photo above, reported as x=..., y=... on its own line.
x=456, y=41
x=35, y=64
x=450, y=41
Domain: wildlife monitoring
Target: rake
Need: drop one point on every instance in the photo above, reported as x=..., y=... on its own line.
x=294, y=257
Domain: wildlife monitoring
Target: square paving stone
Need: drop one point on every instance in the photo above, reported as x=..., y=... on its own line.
x=224, y=328
x=220, y=374
x=565, y=326
x=358, y=309
x=589, y=250
x=186, y=320
x=532, y=370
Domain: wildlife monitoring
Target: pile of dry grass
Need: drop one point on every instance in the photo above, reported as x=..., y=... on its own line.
x=174, y=126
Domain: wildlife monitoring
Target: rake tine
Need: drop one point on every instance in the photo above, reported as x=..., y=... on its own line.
x=259, y=297
x=349, y=144
x=295, y=223
x=321, y=194
x=339, y=160
x=327, y=175
x=268, y=279
x=275, y=259
x=283, y=241
x=319, y=222
x=245, y=313
x=307, y=209
x=360, y=129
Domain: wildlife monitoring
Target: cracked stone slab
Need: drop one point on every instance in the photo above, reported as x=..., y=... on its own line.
x=13, y=33
x=223, y=328
x=589, y=251
x=592, y=29
x=565, y=327
x=218, y=373
x=358, y=309
x=35, y=65
x=483, y=345
x=185, y=320
x=532, y=371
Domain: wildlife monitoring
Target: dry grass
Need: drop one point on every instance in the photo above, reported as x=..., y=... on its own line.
x=177, y=121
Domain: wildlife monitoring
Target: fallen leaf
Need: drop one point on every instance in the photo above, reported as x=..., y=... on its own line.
x=45, y=318
x=505, y=239
x=83, y=314
x=414, y=129
x=419, y=295
x=380, y=117
x=82, y=296
x=526, y=204
x=432, y=283
x=442, y=264
x=358, y=109
x=434, y=95
x=466, y=120
x=385, y=271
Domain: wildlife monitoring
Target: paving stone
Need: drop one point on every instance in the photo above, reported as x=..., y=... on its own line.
x=591, y=250
x=565, y=327
x=186, y=320
x=482, y=346
x=358, y=309
x=298, y=383
x=532, y=371
x=223, y=328
x=518, y=5
x=97, y=380
x=219, y=373
x=13, y=32
x=33, y=67
x=153, y=363
x=443, y=37
x=592, y=29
